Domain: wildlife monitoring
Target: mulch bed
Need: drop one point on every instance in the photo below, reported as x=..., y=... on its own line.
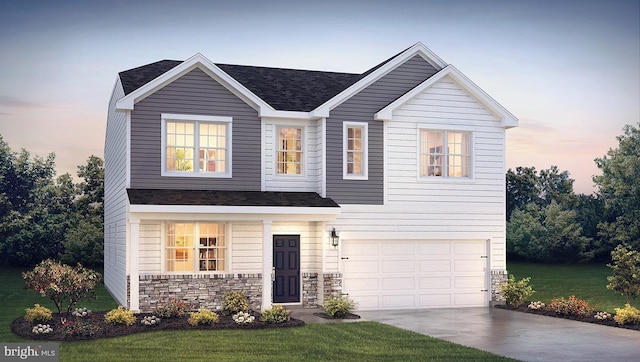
x=94, y=326
x=326, y=316
x=588, y=319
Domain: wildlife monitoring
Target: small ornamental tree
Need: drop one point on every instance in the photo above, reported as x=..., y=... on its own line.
x=65, y=285
x=625, y=263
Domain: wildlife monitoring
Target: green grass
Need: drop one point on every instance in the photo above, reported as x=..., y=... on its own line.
x=585, y=281
x=358, y=341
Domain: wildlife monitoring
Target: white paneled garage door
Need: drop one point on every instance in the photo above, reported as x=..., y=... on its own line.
x=415, y=274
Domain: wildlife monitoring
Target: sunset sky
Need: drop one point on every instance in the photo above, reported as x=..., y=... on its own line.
x=569, y=70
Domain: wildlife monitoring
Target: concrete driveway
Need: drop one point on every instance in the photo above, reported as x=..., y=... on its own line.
x=518, y=335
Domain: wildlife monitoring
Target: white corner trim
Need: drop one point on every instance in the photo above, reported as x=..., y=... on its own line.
x=508, y=119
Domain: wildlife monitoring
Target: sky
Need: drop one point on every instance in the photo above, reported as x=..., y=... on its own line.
x=568, y=70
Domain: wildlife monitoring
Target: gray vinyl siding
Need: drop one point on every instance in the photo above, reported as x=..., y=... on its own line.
x=361, y=108
x=115, y=200
x=194, y=93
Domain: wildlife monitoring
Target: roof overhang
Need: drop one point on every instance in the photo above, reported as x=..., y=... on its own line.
x=508, y=120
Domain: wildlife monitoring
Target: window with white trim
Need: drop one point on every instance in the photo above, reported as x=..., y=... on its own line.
x=289, y=160
x=196, y=145
x=355, y=150
x=445, y=154
x=195, y=247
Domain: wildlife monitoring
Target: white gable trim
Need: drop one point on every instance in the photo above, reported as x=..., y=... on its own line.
x=417, y=49
x=508, y=119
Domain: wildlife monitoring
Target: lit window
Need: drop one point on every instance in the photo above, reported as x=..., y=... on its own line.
x=195, y=247
x=289, y=153
x=355, y=150
x=196, y=145
x=445, y=154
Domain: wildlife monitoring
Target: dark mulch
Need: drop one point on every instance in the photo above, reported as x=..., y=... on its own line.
x=326, y=316
x=589, y=318
x=94, y=326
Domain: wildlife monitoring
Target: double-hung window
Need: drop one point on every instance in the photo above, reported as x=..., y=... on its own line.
x=355, y=150
x=445, y=154
x=196, y=145
x=195, y=247
x=289, y=154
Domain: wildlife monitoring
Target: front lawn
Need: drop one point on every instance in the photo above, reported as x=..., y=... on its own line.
x=358, y=341
x=585, y=281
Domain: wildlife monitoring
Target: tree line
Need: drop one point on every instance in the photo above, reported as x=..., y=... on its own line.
x=43, y=216
x=548, y=222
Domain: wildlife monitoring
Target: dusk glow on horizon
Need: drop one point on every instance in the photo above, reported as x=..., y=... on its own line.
x=568, y=70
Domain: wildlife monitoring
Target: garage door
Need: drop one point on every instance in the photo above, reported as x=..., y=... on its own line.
x=415, y=274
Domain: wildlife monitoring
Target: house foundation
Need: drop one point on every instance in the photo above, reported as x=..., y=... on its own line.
x=498, y=277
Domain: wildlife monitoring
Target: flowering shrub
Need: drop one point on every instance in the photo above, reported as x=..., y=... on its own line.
x=81, y=312
x=235, y=302
x=536, y=305
x=42, y=329
x=150, y=321
x=120, y=316
x=81, y=327
x=339, y=307
x=37, y=314
x=602, y=316
x=276, y=314
x=243, y=318
x=571, y=306
x=172, y=309
x=203, y=316
x=63, y=284
x=516, y=292
x=628, y=315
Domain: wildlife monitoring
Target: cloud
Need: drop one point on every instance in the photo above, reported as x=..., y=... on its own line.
x=8, y=101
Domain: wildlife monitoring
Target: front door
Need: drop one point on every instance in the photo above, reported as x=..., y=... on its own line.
x=286, y=263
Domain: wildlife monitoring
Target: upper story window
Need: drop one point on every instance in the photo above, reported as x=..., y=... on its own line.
x=355, y=150
x=195, y=247
x=196, y=145
x=445, y=153
x=289, y=151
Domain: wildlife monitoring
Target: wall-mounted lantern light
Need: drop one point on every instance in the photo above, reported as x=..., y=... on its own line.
x=335, y=239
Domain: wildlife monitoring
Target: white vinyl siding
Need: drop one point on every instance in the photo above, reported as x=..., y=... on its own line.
x=310, y=179
x=310, y=243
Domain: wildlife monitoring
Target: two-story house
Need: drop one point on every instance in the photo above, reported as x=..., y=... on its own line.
x=298, y=185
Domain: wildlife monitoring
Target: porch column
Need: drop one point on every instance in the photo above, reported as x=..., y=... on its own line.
x=134, y=274
x=267, y=264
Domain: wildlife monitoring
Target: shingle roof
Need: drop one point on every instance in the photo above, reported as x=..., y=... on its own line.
x=283, y=89
x=227, y=198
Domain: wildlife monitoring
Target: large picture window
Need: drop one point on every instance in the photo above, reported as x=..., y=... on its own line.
x=195, y=247
x=290, y=151
x=196, y=145
x=355, y=150
x=445, y=154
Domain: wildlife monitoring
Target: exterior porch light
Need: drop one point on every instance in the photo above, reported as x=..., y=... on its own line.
x=334, y=238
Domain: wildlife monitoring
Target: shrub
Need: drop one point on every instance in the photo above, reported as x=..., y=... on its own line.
x=275, y=314
x=84, y=243
x=243, y=318
x=150, y=320
x=339, y=307
x=235, y=302
x=37, y=314
x=41, y=329
x=172, y=309
x=120, y=316
x=571, y=306
x=203, y=317
x=81, y=327
x=602, y=316
x=62, y=283
x=536, y=305
x=516, y=292
x=628, y=315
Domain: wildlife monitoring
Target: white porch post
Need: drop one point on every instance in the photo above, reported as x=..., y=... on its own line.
x=267, y=264
x=134, y=275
